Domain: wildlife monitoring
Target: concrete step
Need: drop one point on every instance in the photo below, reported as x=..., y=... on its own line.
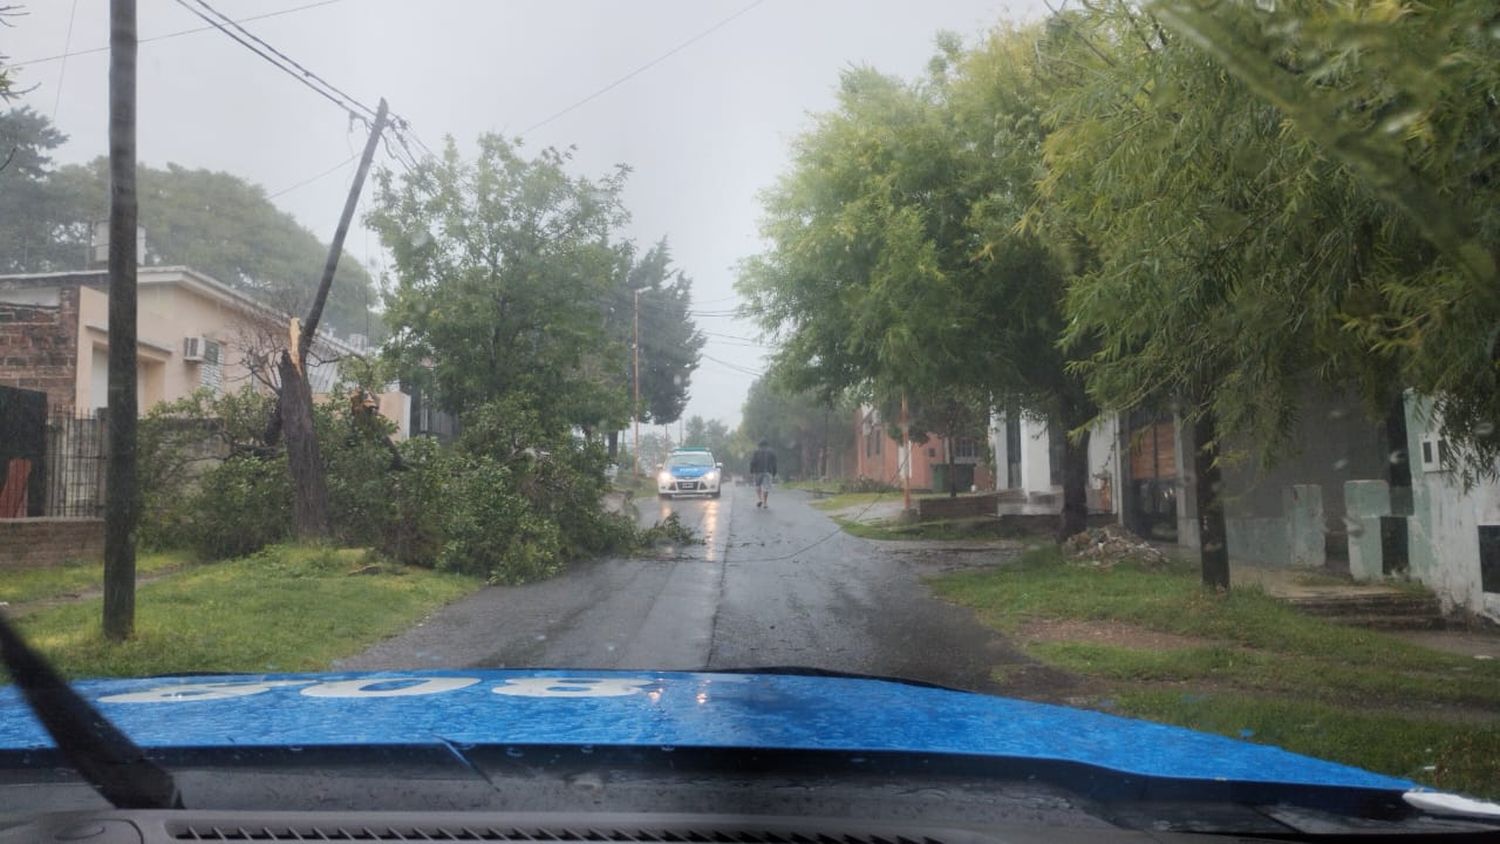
x=1381, y=611
x=1390, y=622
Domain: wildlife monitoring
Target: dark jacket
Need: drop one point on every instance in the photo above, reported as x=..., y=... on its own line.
x=763, y=461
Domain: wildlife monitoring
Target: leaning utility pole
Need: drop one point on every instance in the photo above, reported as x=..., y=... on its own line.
x=637, y=382
x=310, y=488
x=905, y=461
x=120, y=508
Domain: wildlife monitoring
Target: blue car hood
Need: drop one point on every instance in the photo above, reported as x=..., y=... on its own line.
x=690, y=471
x=660, y=710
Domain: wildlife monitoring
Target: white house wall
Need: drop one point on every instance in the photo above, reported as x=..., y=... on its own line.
x=1444, y=529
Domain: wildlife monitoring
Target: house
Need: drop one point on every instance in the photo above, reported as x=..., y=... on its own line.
x=881, y=457
x=192, y=332
x=1373, y=497
x=1028, y=459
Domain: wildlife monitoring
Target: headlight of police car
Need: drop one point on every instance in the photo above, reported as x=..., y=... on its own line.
x=665, y=477
x=711, y=477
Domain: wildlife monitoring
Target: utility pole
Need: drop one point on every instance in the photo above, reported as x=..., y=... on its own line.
x=304, y=459
x=905, y=458
x=120, y=509
x=637, y=345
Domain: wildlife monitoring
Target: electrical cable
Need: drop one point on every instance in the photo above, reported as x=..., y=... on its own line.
x=164, y=36
x=642, y=69
x=330, y=96
x=330, y=171
x=283, y=56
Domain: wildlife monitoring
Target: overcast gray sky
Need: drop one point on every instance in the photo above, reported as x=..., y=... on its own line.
x=704, y=129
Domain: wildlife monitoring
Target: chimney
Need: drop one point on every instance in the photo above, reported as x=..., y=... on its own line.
x=98, y=257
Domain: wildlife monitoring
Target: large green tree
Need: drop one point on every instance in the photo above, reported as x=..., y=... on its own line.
x=213, y=222
x=899, y=263
x=505, y=267
x=1402, y=96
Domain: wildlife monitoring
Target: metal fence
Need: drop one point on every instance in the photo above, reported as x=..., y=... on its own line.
x=76, y=449
x=51, y=460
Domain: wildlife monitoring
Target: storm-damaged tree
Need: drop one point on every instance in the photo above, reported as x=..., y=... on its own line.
x=294, y=401
x=502, y=263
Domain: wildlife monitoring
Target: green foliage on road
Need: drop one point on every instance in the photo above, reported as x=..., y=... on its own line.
x=1254, y=664
x=281, y=609
x=214, y=222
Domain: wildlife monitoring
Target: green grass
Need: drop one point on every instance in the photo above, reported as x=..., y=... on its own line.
x=284, y=609
x=75, y=576
x=1357, y=696
x=1464, y=758
x=954, y=529
x=854, y=499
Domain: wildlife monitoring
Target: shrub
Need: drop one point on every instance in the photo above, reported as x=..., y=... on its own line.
x=242, y=505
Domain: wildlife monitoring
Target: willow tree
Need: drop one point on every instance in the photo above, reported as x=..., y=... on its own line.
x=1224, y=253
x=897, y=266
x=1403, y=96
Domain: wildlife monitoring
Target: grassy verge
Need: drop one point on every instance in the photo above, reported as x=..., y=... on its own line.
x=75, y=576
x=845, y=500
x=283, y=609
x=952, y=529
x=1260, y=670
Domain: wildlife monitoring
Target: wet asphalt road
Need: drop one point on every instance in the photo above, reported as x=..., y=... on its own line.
x=776, y=587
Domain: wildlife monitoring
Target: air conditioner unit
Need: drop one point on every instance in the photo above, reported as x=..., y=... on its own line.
x=194, y=349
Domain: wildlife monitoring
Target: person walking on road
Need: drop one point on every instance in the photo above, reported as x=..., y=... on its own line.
x=763, y=469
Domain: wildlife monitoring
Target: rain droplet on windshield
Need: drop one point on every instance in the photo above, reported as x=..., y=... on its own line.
x=1398, y=457
x=1484, y=429
x=1266, y=5
x=1341, y=464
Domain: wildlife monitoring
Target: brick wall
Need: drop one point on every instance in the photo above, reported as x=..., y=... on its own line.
x=39, y=347
x=964, y=506
x=33, y=543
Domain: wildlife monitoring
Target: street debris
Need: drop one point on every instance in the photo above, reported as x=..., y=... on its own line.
x=1105, y=546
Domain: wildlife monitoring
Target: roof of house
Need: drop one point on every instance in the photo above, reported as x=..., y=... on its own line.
x=177, y=275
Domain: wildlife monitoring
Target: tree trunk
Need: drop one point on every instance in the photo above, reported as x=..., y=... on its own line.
x=304, y=458
x=1075, y=483
x=614, y=444
x=1212, y=534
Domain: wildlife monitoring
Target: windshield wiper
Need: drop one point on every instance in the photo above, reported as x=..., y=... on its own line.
x=113, y=764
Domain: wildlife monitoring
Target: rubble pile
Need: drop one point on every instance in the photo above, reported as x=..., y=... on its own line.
x=1110, y=544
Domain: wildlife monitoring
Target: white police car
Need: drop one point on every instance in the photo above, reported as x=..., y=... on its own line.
x=689, y=471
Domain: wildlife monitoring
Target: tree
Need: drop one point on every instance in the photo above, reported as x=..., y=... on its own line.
x=1402, y=96
x=803, y=428
x=899, y=263
x=1212, y=233
x=671, y=343
x=503, y=266
x=711, y=434
x=29, y=208
x=214, y=222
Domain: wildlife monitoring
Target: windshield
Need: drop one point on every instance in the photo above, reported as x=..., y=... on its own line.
x=1136, y=359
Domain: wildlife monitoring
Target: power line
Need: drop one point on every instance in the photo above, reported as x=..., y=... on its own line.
x=308, y=74
x=330, y=96
x=62, y=69
x=642, y=69
x=66, y=54
x=330, y=171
